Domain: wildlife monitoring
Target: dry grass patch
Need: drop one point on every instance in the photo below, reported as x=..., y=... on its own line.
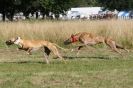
x=58, y=31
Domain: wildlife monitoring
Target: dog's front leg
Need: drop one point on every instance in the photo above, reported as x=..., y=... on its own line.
x=19, y=48
x=29, y=51
x=47, y=52
x=46, y=58
x=79, y=50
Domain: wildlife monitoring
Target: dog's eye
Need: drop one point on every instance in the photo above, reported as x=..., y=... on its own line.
x=10, y=41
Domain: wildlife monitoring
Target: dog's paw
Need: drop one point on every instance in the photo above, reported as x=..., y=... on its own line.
x=72, y=50
x=29, y=53
x=18, y=49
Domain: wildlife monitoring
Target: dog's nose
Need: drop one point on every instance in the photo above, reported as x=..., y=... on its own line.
x=8, y=42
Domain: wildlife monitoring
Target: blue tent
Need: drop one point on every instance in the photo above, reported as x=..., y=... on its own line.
x=123, y=14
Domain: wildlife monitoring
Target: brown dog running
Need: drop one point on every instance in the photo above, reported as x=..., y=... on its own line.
x=91, y=39
x=32, y=45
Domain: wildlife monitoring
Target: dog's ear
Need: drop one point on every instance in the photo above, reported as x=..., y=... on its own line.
x=18, y=38
x=72, y=35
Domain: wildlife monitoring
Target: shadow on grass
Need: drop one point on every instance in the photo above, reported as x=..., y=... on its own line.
x=65, y=57
x=96, y=57
x=24, y=62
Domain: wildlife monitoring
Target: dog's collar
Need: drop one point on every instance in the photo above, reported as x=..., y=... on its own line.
x=14, y=40
x=74, y=39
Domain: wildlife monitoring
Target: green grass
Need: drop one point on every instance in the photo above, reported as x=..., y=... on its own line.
x=94, y=68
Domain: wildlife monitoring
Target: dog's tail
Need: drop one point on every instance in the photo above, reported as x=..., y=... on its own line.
x=61, y=47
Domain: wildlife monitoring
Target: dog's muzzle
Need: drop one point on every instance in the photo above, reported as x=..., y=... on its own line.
x=67, y=42
x=9, y=42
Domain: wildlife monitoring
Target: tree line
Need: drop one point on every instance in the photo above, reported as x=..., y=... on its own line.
x=8, y=8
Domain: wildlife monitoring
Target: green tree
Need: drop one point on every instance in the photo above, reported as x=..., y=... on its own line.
x=27, y=6
x=46, y=7
x=55, y=6
x=117, y=4
x=7, y=8
x=60, y=6
x=84, y=3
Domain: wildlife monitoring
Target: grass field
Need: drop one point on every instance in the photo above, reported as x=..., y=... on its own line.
x=88, y=70
x=97, y=67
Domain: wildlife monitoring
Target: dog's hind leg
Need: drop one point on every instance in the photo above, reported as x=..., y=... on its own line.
x=120, y=47
x=56, y=52
x=112, y=45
